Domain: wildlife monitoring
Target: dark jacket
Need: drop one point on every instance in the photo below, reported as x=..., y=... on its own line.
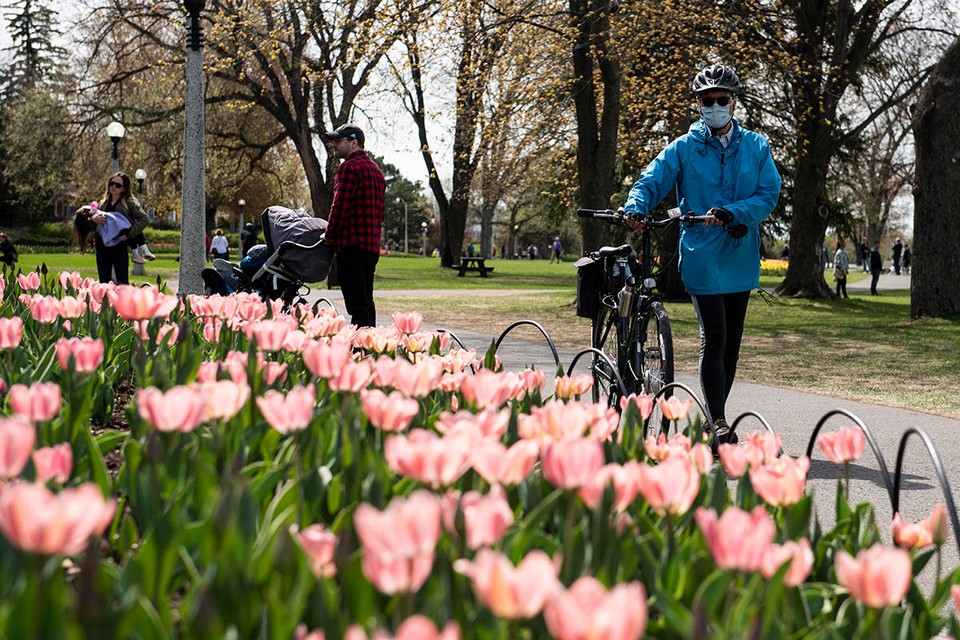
x=876, y=262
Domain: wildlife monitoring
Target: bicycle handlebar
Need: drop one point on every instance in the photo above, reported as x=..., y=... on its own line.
x=620, y=217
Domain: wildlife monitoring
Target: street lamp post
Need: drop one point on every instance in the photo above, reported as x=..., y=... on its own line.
x=242, y=204
x=423, y=225
x=516, y=238
x=406, y=241
x=192, y=221
x=140, y=175
x=116, y=130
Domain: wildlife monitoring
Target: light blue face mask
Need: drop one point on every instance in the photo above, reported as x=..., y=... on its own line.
x=716, y=117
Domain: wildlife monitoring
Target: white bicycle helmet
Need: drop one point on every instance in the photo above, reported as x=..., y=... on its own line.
x=716, y=76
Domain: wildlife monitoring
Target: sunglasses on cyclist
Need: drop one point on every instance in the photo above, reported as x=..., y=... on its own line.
x=118, y=185
x=722, y=101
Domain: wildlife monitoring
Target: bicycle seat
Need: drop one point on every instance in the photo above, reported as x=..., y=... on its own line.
x=616, y=252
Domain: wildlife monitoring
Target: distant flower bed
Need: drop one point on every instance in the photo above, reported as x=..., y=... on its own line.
x=216, y=466
x=773, y=267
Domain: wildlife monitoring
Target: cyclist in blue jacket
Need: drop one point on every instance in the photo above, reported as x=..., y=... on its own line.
x=726, y=172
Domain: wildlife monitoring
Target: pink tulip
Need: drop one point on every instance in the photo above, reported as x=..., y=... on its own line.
x=303, y=633
x=878, y=577
x=399, y=542
x=532, y=380
x=673, y=409
x=671, y=486
x=922, y=534
x=352, y=377
x=413, y=628
x=142, y=303
x=702, y=458
x=16, y=442
x=511, y=592
x=223, y=399
x=955, y=594
x=736, y=460
x=269, y=334
x=845, y=445
x=766, y=443
x=86, y=353
x=489, y=423
x=274, y=372
x=376, y=339
x=568, y=388
x=662, y=448
x=43, y=309
x=782, y=481
x=460, y=360
x=424, y=457
x=737, y=539
x=798, y=554
x=53, y=463
x=71, y=307
x=327, y=324
x=295, y=341
x=624, y=481
x=34, y=519
x=587, y=611
x=319, y=545
x=417, y=380
x=643, y=403
x=489, y=389
x=38, y=403
x=11, y=333
x=571, y=464
x=181, y=408
x=389, y=413
x=70, y=279
x=499, y=465
x=556, y=420
x=486, y=517
x=291, y=412
x=167, y=333
x=29, y=281
x=408, y=322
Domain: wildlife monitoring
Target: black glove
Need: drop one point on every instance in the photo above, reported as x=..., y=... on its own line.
x=721, y=214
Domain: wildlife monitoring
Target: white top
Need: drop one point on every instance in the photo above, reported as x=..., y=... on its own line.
x=219, y=244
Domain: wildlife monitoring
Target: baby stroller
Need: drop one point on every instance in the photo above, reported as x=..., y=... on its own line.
x=293, y=255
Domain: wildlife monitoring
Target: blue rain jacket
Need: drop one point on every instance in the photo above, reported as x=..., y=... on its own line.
x=741, y=178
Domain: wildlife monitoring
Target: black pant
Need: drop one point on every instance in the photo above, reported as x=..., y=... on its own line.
x=355, y=269
x=721, y=329
x=112, y=259
x=842, y=287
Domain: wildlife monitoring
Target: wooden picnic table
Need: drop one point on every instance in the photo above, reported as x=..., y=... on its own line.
x=474, y=264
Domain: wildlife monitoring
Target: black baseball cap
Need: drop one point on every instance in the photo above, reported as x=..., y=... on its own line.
x=348, y=130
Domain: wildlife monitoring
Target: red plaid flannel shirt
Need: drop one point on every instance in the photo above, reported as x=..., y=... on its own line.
x=356, y=215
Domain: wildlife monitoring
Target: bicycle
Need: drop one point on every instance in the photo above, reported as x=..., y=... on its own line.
x=631, y=325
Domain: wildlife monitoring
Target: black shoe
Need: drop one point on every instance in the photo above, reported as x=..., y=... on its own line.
x=722, y=434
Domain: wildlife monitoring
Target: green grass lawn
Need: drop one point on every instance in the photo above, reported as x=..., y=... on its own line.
x=865, y=348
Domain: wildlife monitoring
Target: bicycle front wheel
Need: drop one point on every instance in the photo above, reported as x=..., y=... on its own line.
x=653, y=359
x=609, y=333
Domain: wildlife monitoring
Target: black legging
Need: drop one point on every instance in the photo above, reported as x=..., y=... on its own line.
x=721, y=328
x=842, y=287
x=112, y=260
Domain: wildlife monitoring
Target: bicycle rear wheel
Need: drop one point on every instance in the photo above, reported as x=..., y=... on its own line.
x=653, y=361
x=608, y=336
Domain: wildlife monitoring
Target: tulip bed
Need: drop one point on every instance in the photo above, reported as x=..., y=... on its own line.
x=217, y=467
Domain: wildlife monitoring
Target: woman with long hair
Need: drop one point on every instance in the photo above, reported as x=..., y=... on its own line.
x=119, y=220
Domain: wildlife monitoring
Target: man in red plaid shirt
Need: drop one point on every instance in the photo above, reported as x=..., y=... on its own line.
x=356, y=219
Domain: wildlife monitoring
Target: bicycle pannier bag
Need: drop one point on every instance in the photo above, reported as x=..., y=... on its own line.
x=589, y=287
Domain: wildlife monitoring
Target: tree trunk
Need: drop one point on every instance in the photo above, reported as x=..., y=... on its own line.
x=596, y=134
x=935, y=289
x=804, y=278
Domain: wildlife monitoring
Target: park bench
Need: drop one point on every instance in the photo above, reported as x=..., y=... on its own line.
x=474, y=264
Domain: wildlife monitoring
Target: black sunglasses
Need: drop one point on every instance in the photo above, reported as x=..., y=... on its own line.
x=118, y=185
x=722, y=101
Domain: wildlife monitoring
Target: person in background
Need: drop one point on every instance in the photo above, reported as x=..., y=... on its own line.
x=112, y=259
x=356, y=221
x=722, y=171
x=907, y=256
x=8, y=252
x=864, y=253
x=841, y=267
x=557, y=250
x=897, y=251
x=876, y=266
x=248, y=238
x=219, y=247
